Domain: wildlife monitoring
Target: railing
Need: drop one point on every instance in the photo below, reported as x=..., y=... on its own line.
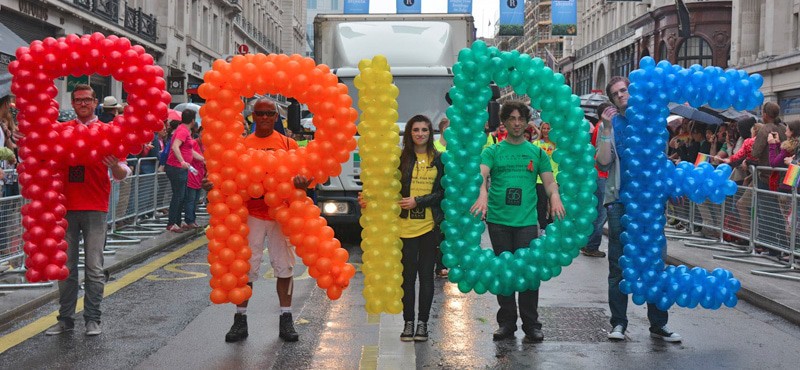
x=756, y=226
x=134, y=20
x=144, y=24
x=601, y=43
x=134, y=212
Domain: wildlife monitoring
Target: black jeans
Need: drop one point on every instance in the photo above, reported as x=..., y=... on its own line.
x=419, y=254
x=510, y=238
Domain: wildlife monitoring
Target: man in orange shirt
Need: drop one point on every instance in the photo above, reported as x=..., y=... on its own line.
x=264, y=228
x=86, y=191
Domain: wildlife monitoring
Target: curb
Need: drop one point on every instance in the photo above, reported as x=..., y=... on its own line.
x=7, y=318
x=754, y=298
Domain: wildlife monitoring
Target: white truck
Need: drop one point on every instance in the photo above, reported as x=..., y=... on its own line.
x=421, y=50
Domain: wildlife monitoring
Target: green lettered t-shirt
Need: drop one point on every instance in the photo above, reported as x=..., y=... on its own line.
x=512, y=194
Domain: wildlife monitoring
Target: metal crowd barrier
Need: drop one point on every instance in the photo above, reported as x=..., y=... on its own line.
x=137, y=210
x=755, y=215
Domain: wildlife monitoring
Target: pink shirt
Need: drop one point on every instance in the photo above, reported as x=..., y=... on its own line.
x=182, y=133
x=194, y=181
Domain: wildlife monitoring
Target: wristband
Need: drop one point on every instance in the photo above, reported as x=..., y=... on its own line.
x=604, y=138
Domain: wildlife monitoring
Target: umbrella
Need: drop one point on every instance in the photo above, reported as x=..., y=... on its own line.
x=190, y=106
x=729, y=114
x=694, y=114
x=173, y=115
x=183, y=106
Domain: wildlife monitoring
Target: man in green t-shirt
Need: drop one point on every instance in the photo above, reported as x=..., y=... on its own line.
x=509, y=207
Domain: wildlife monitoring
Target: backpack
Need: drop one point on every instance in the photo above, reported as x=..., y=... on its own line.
x=162, y=157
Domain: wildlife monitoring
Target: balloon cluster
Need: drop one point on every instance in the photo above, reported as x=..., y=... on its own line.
x=239, y=173
x=470, y=266
x=383, y=271
x=49, y=147
x=703, y=182
x=648, y=178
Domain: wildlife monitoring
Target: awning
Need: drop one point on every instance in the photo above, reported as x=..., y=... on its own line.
x=9, y=42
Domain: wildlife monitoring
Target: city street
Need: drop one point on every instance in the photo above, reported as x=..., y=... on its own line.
x=157, y=315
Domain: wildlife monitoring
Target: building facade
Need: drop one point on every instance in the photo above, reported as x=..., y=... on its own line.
x=316, y=7
x=537, y=40
x=614, y=36
x=184, y=36
x=767, y=41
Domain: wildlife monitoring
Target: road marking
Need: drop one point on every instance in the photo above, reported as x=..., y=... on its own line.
x=392, y=352
x=369, y=358
x=22, y=334
x=176, y=268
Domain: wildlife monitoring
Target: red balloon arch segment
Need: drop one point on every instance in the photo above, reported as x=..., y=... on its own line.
x=49, y=147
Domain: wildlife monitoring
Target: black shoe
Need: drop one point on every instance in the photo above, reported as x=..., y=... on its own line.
x=408, y=332
x=238, y=330
x=287, y=332
x=422, y=332
x=535, y=336
x=592, y=253
x=504, y=332
x=665, y=334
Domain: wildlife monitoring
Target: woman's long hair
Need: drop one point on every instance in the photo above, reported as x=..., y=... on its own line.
x=407, y=155
x=791, y=144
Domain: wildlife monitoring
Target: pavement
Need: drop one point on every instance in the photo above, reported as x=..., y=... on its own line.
x=122, y=251
x=764, y=282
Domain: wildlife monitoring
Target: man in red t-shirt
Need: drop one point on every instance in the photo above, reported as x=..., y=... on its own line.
x=86, y=190
x=592, y=248
x=264, y=229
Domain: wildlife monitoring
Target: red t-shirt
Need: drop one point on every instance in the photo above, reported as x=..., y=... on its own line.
x=182, y=133
x=256, y=207
x=595, y=130
x=87, y=187
x=194, y=181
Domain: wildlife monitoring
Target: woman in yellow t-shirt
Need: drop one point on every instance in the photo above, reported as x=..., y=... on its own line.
x=421, y=193
x=549, y=147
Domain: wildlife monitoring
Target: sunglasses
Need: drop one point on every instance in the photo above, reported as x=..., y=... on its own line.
x=268, y=113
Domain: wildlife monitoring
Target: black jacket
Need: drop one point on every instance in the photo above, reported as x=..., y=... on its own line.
x=432, y=200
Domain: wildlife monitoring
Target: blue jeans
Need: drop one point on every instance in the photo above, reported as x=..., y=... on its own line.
x=177, y=180
x=510, y=238
x=92, y=224
x=192, y=197
x=597, y=234
x=617, y=301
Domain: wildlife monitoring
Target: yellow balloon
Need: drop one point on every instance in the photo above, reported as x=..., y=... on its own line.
x=381, y=189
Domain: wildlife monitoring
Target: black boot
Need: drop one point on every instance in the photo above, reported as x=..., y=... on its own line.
x=238, y=330
x=287, y=332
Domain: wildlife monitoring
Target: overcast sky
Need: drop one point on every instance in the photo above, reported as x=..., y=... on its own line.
x=484, y=11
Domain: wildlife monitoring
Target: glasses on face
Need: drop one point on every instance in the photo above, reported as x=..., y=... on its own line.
x=512, y=119
x=268, y=113
x=619, y=92
x=83, y=101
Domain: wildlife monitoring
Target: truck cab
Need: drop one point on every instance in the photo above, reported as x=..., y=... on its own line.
x=421, y=50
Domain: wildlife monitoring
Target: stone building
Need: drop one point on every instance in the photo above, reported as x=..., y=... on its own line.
x=767, y=41
x=184, y=36
x=614, y=36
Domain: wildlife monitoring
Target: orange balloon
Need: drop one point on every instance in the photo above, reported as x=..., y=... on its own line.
x=229, y=281
x=218, y=296
x=234, y=201
x=235, y=242
x=244, y=253
x=334, y=292
x=239, y=267
x=226, y=255
x=218, y=269
x=237, y=296
x=324, y=281
x=323, y=265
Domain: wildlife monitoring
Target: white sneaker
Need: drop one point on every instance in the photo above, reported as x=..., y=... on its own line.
x=617, y=334
x=664, y=334
x=93, y=328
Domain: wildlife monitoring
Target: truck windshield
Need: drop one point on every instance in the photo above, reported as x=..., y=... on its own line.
x=418, y=95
